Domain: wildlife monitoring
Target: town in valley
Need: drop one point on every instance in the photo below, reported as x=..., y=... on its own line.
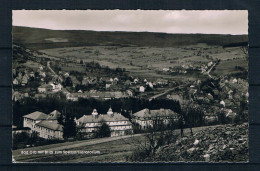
x=135, y=97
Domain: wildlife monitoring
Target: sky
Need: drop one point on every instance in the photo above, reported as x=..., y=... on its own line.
x=167, y=21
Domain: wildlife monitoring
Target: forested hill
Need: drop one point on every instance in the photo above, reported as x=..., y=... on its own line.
x=37, y=38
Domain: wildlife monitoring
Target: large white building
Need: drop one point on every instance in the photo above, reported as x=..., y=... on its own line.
x=45, y=125
x=118, y=124
x=148, y=118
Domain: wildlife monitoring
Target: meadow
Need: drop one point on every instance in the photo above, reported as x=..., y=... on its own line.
x=149, y=62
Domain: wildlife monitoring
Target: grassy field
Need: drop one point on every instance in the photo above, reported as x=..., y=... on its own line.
x=145, y=62
x=110, y=150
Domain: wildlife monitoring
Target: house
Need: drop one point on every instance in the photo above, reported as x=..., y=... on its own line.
x=142, y=89
x=46, y=125
x=166, y=69
x=150, y=84
x=16, y=96
x=66, y=74
x=162, y=81
x=116, y=79
x=108, y=86
x=31, y=75
x=234, y=81
x=49, y=129
x=24, y=80
x=33, y=118
x=148, y=118
x=42, y=74
x=15, y=82
x=56, y=87
x=129, y=93
x=40, y=96
x=44, y=88
x=222, y=103
x=118, y=124
x=230, y=114
x=72, y=96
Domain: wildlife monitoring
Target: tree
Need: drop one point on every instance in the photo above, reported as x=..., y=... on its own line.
x=68, y=82
x=69, y=125
x=103, y=131
x=193, y=116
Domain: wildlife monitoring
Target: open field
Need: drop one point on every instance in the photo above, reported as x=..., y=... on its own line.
x=146, y=62
x=112, y=149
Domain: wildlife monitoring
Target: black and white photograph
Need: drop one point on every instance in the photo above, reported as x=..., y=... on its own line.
x=130, y=86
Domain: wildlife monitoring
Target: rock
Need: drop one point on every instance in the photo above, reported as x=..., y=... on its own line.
x=224, y=146
x=207, y=157
x=240, y=140
x=191, y=150
x=196, y=142
x=211, y=146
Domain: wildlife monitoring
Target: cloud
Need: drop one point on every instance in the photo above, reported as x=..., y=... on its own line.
x=169, y=21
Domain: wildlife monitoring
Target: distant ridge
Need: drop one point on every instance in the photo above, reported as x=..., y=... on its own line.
x=38, y=38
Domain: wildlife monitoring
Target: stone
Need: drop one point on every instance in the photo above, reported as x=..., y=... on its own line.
x=207, y=157
x=196, y=142
x=191, y=150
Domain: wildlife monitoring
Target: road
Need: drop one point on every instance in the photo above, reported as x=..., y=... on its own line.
x=49, y=67
x=164, y=93
x=208, y=72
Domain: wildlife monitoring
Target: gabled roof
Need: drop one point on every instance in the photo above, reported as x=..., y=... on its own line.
x=36, y=116
x=146, y=113
x=50, y=124
x=54, y=115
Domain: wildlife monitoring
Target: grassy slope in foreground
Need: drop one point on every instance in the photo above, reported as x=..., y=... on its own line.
x=212, y=140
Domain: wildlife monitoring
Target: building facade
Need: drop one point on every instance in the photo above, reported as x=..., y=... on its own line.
x=46, y=125
x=118, y=124
x=149, y=118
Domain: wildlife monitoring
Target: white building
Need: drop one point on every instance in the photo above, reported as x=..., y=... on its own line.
x=45, y=125
x=148, y=118
x=142, y=89
x=118, y=124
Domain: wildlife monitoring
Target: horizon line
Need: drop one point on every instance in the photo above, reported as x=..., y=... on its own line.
x=125, y=31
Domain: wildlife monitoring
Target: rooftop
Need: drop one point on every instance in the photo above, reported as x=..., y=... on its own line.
x=102, y=117
x=50, y=124
x=146, y=113
x=37, y=116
